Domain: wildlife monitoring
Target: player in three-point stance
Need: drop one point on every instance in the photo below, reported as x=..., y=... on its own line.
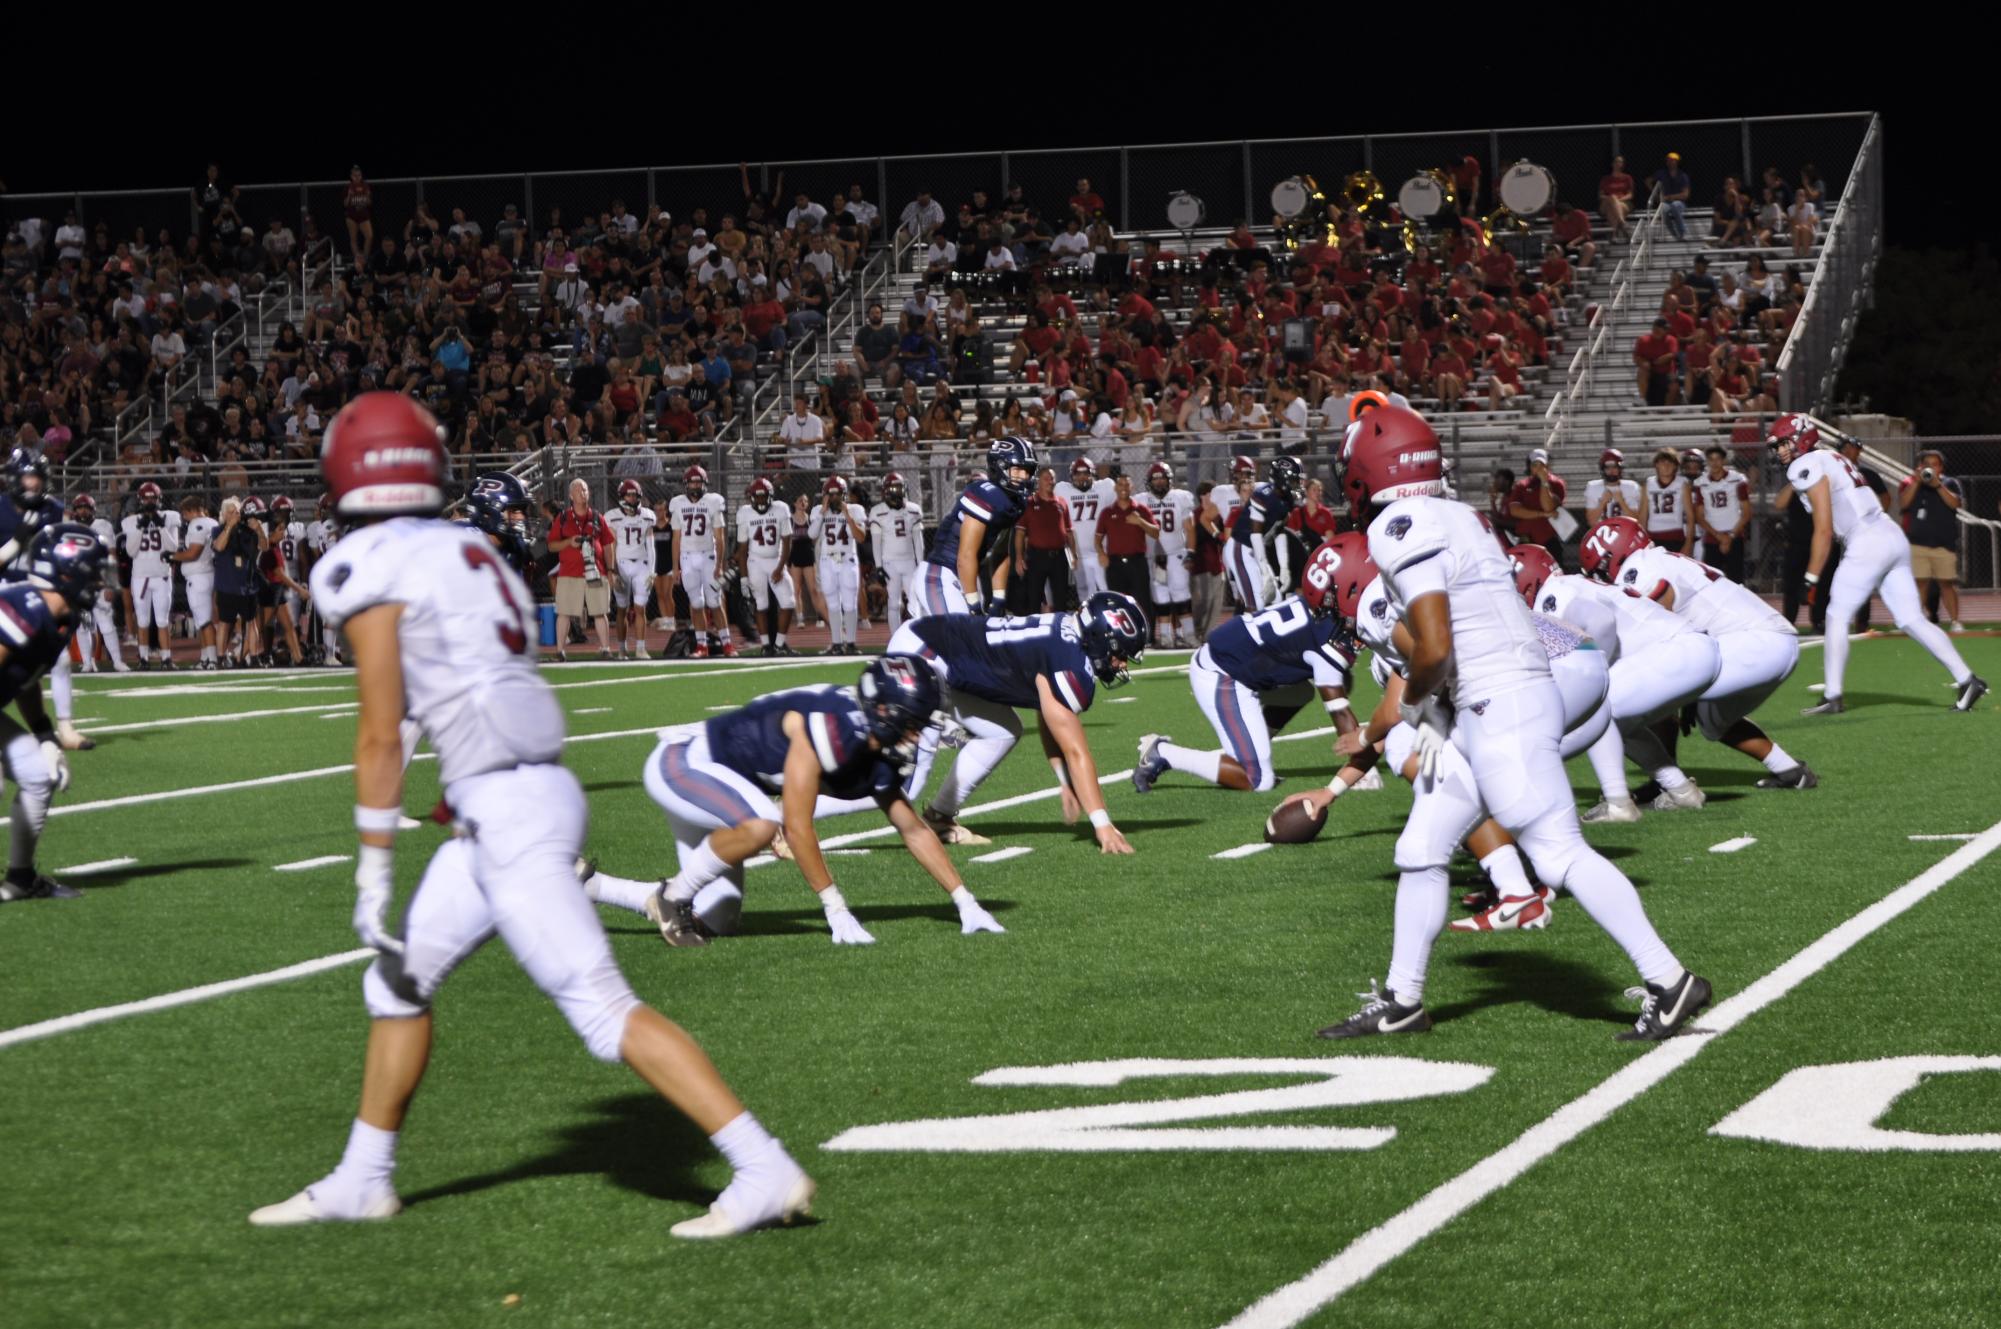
x=440, y=630
x=632, y=525
x=838, y=528
x=729, y=785
x=1875, y=560
x=54, y=583
x=697, y=518
x=983, y=516
x=897, y=526
x=1478, y=678
x=1259, y=670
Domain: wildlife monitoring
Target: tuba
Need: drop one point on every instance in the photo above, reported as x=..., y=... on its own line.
x=1364, y=193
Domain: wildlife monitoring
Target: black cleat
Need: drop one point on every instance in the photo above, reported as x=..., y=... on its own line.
x=1381, y=1014
x=1832, y=706
x=676, y=920
x=42, y=888
x=1971, y=691
x=1663, y=1011
x=1799, y=777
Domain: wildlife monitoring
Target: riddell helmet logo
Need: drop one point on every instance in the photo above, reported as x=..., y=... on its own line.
x=396, y=457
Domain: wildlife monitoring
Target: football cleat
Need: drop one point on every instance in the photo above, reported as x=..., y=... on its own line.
x=1616, y=810
x=305, y=1208
x=1799, y=777
x=41, y=888
x=675, y=919
x=948, y=829
x=1381, y=1013
x=1688, y=798
x=73, y=739
x=701, y=651
x=1522, y=913
x=729, y=650
x=1832, y=706
x=734, y=1213
x=1665, y=1010
x=778, y=848
x=1971, y=691
x=1151, y=765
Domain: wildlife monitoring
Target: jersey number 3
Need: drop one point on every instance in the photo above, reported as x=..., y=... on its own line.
x=514, y=635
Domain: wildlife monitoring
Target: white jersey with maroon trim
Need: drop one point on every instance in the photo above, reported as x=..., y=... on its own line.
x=898, y=534
x=632, y=537
x=1085, y=505
x=1708, y=600
x=1173, y=512
x=1621, y=498
x=1855, y=504
x=148, y=546
x=767, y=535
x=1666, y=506
x=831, y=534
x=1723, y=500
x=290, y=542
x=696, y=521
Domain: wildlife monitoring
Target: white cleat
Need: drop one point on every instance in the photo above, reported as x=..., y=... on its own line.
x=1688, y=798
x=118, y=663
x=734, y=1214
x=1623, y=809
x=306, y=1208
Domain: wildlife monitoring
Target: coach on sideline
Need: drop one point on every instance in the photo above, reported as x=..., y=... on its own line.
x=1041, y=545
x=1124, y=527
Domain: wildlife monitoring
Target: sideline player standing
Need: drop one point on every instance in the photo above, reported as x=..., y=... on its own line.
x=1875, y=559
x=322, y=533
x=632, y=524
x=897, y=526
x=103, y=619
x=197, y=560
x=1470, y=633
x=1723, y=514
x=1611, y=494
x=1174, y=558
x=1251, y=525
x=440, y=629
x=1087, y=496
x=985, y=513
x=1670, y=519
x=697, y=519
x=838, y=528
x=150, y=537
x=763, y=538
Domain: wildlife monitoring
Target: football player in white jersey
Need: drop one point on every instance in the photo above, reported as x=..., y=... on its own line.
x=103, y=621
x=1087, y=496
x=1478, y=677
x=1670, y=506
x=321, y=535
x=196, y=558
x=699, y=539
x=1875, y=560
x=897, y=526
x=441, y=631
x=1226, y=496
x=632, y=524
x=837, y=528
x=1723, y=514
x=763, y=546
x=1756, y=648
x=1611, y=494
x=150, y=538
x=1173, y=557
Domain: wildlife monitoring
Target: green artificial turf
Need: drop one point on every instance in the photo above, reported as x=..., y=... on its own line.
x=132, y=1150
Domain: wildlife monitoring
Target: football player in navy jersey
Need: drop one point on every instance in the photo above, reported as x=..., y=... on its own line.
x=971, y=529
x=1245, y=560
x=1048, y=663
x=728, y=785
x=27, y=507
x=61, y=574
x=498, y=504
x=1258, y=670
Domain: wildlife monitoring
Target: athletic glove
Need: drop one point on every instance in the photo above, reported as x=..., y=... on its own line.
x=1434, y=731
x=374, y=883
x=52, y=757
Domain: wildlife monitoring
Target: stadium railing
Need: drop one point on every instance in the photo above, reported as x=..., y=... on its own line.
x=1841, y=285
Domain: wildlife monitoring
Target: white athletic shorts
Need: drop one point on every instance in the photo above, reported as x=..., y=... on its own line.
x=763, y=590
x=1584, y=681
x=1754, y=664
x=1237, y=715
x=902, y=581
x=840, y=582
x=698, y=579
x=632, y=585
x=1657, y=682
x=1240, y=565
x=1170, y=584
x=201, y=599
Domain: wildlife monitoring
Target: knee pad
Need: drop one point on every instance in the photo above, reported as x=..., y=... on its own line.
x=389, y=992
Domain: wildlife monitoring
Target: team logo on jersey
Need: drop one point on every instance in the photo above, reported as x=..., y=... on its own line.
x=1398, y=528
x=1380, y=609
x=338, y=576
x=1480, y=707
x=1549, y=604
x=1632, y=576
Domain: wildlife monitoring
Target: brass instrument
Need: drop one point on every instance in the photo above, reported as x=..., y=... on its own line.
x=1364, y=193
x=1444, y=178
x=1501, y=219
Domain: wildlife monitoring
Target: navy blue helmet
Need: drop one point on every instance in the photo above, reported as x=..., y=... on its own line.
x=498, y=504
x=1113, y=629
x=1286, y=477
x=1004, y=455
x=898, y=694
x=68, y=559
x=23, y=464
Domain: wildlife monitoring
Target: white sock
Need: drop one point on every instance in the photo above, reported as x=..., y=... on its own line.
x=1671, y=777
x=780, y=639
x=1608, y=763
x=1184, y=628
x=624, y=892
x=670, y=623
x=1504, y=868
x=1778, y=761
x=369, y=1160
x=723, y=634
x=1192, y=761
x=24, y=828
x=975, y=762
x=753, y=1153
x=1420, y=917
x=699, y=867
x=1614, y=905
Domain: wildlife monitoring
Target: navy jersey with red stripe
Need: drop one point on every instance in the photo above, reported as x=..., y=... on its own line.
x=752, y=742
x=983, y=501
x=1282, y=645
x=1000, y=658
x=32, y=636
x=1267, y=506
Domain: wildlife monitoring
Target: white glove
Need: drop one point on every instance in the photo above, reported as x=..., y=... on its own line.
x=977, y=919
x=374, y=883
x=52, y=757
x=1434, y=731
x=848, y=930
x=1270, y=586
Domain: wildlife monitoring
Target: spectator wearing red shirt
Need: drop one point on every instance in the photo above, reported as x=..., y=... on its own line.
x=1653, y=357
x=1533, y=500
x=1134, y=305
x=1497, y=269
x=764, y=318
x=1680, y=323
x=1449, y=372
x=1504, y=377
x=1572, y=230
x=1313, y=521
x=1422, y=270
x=1042, y=538
x=1615, y=197
x=581, y=539
x=1466, y=186
x=1555, y=270
x=1085, y=202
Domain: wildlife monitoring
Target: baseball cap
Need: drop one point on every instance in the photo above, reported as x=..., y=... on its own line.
x=569, y=267
x=1538, y=455
x=701, y=234
x=1068, y=394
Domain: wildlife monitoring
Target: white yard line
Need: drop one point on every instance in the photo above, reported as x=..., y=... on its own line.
x=137, y=726
x=305, y=864
x=1362, y=1257
x=1966, y=835
x=590, y=710
x=1243, y=850
x=1732, y=846
x=105, y=865
x=1003, y=855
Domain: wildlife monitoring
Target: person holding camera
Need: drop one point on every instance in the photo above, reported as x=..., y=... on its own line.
x=582, y=543
x=1931, y=500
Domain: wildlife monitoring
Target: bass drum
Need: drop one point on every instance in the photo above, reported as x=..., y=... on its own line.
x=1421, y=198
x=1290, y=197
x=1185, y=211
x=1525, y=188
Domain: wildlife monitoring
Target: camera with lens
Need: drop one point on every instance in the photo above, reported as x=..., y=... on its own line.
x=1928, y=475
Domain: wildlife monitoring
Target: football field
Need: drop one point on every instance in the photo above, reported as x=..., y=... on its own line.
x=1114, y=1115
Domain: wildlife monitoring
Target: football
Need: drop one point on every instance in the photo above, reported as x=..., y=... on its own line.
x=1294, y=822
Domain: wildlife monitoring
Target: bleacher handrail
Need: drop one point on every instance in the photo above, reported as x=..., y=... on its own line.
x=1584, y=365
x=1839, y=239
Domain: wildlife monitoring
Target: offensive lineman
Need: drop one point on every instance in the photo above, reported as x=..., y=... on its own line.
x=632, y=525
x=1174, y=553
x=837, y=528
x=1479, y=678
x=699, y=536
x=439, y=625
x=1245, y=558
x=763, y=538
x=981, y=519
x=150, y=537
x=897, y=526
x=1875, y=559
x=1087, y=496
x=103, y=619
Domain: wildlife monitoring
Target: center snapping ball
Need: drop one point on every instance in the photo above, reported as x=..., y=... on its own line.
x=1294, y=822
